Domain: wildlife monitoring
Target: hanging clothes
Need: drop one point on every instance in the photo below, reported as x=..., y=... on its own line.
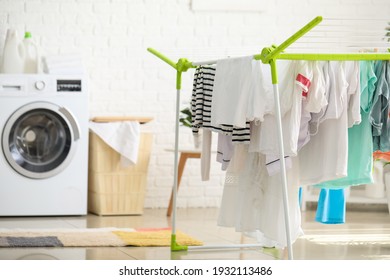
x=316, y=98
x=353, y=73
x=295, y=80
x=325, y=156
x=226, y=98
x=312, y=102
x=360, y=141
x=252, y=201
x=240, y=93
x=379, y=115
x=201, y=108
x=294, y=83
x=225, y=150
x=331, y=206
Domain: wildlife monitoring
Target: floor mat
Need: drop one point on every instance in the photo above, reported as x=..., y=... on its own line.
x=93, y=237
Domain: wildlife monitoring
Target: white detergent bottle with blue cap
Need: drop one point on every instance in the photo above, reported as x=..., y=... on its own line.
x=31, y=61
x=14, y=54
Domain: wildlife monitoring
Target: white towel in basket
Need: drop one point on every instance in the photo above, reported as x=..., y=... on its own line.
x=123, y=137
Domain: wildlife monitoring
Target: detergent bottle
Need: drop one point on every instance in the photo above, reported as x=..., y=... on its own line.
x=31, y=60
x=14, y=54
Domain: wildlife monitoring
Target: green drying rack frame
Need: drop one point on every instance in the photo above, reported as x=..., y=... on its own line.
x=268, y=55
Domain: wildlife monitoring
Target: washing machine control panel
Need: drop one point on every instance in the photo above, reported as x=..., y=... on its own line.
x=27, y=85
x=69, y=85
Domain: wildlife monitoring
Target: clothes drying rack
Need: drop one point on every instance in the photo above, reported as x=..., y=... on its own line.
x=268, y=55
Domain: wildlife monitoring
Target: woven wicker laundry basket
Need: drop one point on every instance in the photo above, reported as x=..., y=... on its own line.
x=112, y=188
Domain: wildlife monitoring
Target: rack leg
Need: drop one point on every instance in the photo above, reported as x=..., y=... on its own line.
x=281, y=157
x=182, y=163
x=174, y=245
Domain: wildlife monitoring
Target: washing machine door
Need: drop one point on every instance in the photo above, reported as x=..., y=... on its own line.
x=39, y=139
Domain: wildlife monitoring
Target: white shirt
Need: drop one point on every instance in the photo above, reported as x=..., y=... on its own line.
x=293, y=86
x=313, y=102
x=325, y=156
x=238, y=93
x=352, y=74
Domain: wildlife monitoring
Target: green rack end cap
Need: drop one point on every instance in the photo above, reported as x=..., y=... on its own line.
x=183, y=65
x=176, y=247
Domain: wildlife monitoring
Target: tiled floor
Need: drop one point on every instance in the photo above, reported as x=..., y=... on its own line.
x=365, y=235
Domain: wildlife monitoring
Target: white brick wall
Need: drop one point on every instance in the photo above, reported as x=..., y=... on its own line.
x=125, y=79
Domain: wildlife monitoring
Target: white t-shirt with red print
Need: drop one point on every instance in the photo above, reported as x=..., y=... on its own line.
x=293, y=88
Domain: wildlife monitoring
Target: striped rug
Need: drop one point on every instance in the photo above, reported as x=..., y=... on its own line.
x=93, y=237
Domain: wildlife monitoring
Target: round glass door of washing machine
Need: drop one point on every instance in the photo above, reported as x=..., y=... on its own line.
x=39, y=139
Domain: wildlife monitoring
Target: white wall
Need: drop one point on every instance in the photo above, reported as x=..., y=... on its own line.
x=125, y=79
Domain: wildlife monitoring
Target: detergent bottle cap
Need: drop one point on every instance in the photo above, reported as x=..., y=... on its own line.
x=27, y=34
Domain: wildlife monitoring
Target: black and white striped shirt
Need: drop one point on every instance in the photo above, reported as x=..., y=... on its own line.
x=201, y=100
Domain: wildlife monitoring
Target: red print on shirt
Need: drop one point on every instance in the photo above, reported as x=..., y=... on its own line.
x=304, y=83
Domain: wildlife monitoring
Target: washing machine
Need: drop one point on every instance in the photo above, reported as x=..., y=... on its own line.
x=44, y=145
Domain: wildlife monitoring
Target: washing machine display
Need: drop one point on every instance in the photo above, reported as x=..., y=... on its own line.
x=44, y=145
x=39, y=140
